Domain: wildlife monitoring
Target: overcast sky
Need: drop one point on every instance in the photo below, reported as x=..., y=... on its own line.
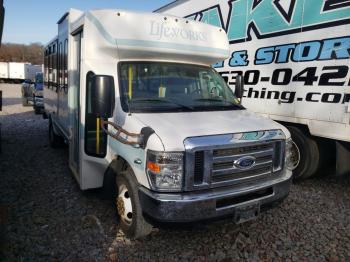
x=28, y=21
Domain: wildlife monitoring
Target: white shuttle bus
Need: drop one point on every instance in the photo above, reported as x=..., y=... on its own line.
x=294, y=56
x=148, y=119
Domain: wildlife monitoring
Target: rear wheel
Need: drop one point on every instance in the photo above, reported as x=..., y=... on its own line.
x=342, y=160
x=129, y=209
x=54, y=139
x=37, y=110
x=309, y=155
x=328, y=154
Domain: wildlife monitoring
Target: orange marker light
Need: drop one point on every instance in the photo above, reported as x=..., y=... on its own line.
x=153, y=167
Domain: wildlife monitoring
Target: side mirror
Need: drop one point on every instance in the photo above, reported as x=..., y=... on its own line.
x=239, y=87
x=103, y=96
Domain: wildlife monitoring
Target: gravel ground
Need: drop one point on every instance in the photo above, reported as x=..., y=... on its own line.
x=45, y=217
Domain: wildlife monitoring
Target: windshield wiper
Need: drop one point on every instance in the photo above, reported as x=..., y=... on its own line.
x=220, y=101
x=209, y=100
x=161, y=100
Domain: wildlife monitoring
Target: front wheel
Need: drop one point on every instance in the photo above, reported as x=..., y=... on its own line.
x=129, y=209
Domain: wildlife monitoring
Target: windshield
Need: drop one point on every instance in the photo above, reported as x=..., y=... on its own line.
x=170, y=87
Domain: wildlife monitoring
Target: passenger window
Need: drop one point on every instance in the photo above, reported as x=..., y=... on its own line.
x=60, y=64
x=65, y=63
x=95, y=137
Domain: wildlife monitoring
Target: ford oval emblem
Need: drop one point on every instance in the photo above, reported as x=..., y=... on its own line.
x=245, y=162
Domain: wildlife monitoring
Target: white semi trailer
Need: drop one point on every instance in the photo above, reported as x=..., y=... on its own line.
x=294, y=56
x=4, y=71
x=147, y=118
x=18, y=72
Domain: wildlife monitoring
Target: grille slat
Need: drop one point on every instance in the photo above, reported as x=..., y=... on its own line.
x=235, y=170
x=242, y=150
x=243, y=176
x=257, y=154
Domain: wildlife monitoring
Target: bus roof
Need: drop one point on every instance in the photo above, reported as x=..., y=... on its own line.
x=138, y=35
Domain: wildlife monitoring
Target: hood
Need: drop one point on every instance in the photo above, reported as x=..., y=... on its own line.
x=174, y=128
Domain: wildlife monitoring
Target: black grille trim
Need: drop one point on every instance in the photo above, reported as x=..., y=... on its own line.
x=198, y=167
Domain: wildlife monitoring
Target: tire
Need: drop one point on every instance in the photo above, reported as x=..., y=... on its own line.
x=309, y=154
x=128, y=205
x=54, y=139
x=327, y=163
x=37, y=110
x=342, y=159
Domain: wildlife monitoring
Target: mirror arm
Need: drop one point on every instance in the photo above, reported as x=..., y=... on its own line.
x=239, y=87
x=119, y=132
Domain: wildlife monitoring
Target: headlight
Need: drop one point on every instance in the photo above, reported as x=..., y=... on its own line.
x=292, y=155
x=165, y=170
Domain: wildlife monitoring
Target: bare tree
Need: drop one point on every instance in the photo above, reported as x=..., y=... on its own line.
x=32, y=53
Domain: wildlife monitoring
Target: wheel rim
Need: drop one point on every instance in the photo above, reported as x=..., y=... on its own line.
x=124, y=205
x=295, y=156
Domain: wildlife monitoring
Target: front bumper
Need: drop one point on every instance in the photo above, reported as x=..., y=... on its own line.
x=39, y=101
x=213, y=203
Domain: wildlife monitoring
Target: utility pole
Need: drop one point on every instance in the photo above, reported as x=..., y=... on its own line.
x=2, y=16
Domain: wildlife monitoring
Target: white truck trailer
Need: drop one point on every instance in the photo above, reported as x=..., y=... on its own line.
x=149, y=120
x=294, y=57
x=18, y=72
x=4, y=71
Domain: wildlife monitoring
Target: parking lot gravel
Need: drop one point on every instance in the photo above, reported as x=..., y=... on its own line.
x=45, y=217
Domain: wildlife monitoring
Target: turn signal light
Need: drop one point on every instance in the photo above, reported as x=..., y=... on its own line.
x=153, y=167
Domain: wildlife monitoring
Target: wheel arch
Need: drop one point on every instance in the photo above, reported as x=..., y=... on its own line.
x=304, y=128
x=115, y=167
